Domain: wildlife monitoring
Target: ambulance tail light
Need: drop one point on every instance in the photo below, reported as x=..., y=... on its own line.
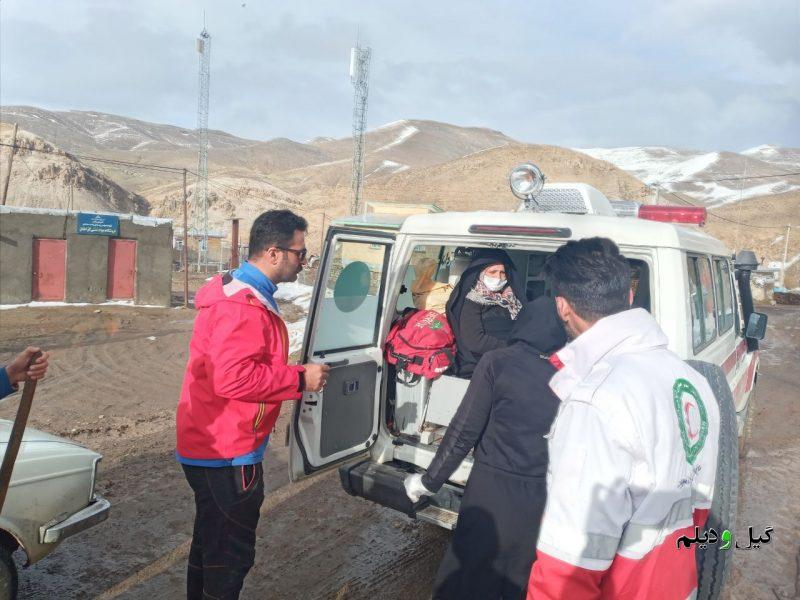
x=673, y=214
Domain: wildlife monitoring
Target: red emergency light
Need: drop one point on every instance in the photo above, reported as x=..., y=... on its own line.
x=673, y=214
x=556, y=232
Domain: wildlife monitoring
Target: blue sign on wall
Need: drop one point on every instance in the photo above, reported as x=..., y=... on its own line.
x=93, y=224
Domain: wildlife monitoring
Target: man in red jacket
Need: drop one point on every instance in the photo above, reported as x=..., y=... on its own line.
x=235, y=381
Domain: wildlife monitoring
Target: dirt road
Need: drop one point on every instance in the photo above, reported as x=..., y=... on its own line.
x=113, y=386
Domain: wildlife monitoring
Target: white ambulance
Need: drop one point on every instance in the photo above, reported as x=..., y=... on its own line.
x=378, y=429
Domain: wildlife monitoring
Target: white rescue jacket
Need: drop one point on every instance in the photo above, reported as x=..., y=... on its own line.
x=633, y=455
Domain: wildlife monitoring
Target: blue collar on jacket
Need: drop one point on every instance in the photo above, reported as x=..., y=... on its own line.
x=253, y=276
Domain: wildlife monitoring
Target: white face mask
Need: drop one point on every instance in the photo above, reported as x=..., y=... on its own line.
x=495, y=284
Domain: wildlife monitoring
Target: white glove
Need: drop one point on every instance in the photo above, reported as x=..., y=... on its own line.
x=415, y=488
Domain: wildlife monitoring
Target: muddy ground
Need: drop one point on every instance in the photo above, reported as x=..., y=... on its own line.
x=114, y=383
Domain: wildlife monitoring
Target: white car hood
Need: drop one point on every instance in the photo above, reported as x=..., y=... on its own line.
x=31, y=435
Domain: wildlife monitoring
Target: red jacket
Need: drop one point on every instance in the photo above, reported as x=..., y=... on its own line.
x=237, y=374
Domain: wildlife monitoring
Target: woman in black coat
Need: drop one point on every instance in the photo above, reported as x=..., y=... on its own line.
x=506, y=412
x=482, y=308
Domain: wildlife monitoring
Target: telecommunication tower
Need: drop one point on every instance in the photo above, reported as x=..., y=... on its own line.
x=201, y=187
x=359, y=77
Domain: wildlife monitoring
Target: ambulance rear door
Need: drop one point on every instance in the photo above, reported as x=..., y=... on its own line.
x=345, y=316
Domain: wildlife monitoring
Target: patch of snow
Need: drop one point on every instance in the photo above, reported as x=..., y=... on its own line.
x=60, y=212
x=152, y=338
x=776, y=240
x=325, y=164
x=485, y=149
x=402, y=137
x=39, y=304
x=393, y=167
x=150, y=221
x=141, y=144
x=296, y=332
x=296, y=293
x=762, y=150
x=655, y=164
x=721, y=195
x=108, y=134
x=393, y=124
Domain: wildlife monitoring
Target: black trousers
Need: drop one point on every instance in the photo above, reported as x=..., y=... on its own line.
x=227, y=504
x=494, y=545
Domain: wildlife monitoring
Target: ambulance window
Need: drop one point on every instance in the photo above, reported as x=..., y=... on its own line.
x=425, y=285
x=350, y=308
x=722, y=278
x=701, y=299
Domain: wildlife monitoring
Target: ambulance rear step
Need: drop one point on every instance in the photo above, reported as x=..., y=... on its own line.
x=383, y=484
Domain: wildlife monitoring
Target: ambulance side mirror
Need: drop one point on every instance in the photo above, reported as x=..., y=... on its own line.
x=756, y=326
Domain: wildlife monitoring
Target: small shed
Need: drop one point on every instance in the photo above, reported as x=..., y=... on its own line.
x=71, y=256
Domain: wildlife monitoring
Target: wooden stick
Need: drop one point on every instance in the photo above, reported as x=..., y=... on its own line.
x=17, y=431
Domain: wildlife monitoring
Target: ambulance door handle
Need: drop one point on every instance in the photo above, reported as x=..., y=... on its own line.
x=338, y=363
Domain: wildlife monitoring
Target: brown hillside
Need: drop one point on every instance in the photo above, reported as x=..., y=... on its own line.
x=764, y=222
x=43, y=176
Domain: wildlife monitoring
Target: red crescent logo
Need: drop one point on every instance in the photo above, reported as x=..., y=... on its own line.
x=686, y=408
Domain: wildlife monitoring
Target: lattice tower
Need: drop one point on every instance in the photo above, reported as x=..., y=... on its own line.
x=359, y=76
x=201, y=186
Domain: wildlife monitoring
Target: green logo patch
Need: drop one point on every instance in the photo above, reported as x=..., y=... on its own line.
x=692, y=418
x=435, y=325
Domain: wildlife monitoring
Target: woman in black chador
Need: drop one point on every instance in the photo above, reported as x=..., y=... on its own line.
x=483, y=307
x=506, y=412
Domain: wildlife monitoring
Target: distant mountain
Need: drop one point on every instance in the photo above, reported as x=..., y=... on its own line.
x=713, y=178
x=76, y=130
x=458, y=168
x=783, y=157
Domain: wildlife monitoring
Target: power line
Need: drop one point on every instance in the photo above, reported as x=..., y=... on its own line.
x=163, y=168
x=740, y=178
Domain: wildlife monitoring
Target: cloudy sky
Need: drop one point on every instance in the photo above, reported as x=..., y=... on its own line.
x=704, y=74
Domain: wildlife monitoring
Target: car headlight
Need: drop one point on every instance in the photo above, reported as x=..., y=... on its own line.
x=94, y=477
x=526, y=181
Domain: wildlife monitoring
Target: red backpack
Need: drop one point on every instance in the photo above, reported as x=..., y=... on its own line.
x=420, y=344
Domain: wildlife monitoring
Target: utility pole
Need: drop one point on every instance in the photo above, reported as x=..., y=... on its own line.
x=359, y=77
x=8, y=166
x=322, y=234
x=234, y=244
x=185, y=253
x=785, y=256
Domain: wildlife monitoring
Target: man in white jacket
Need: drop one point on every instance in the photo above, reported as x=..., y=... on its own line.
x=633, y=449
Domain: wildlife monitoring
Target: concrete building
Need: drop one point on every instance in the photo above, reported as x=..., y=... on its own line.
x=59, y=255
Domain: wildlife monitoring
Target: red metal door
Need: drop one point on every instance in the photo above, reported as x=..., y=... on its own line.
x=49, y=269
x=121, y=269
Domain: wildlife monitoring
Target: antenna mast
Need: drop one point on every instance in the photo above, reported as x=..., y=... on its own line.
x=201, y=187
x=359, y=77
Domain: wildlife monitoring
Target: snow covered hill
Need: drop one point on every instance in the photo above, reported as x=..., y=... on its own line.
x=78, y=129
x=714, y=178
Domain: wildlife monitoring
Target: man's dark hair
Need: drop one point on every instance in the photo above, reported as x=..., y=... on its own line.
x=274, y=228
x=592, y=276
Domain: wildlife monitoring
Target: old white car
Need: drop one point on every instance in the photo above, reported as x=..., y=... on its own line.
x=51, y=497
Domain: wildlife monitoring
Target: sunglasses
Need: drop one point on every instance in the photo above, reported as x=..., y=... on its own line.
x=301, y=254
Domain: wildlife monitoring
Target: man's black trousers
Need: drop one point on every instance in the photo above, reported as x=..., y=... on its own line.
x=227, y=503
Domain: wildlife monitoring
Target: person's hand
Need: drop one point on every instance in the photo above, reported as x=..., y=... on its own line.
x=316, y=376
x=415, y=489
x=19, y=368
